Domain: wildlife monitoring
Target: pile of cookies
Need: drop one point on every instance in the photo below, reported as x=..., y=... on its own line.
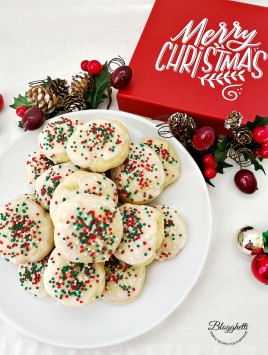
x=88, y=231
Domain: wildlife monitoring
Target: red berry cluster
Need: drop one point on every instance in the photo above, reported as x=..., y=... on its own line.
x=260, y=135
x=209, y=166
x=94, y=67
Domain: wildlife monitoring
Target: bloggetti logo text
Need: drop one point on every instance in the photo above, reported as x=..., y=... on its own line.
x=228, y=334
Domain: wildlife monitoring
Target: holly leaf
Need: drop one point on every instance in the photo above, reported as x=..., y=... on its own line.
x=222, y=165
x=20, y=101
x=254, y=161
x=221, y=151
x=259, y=121
x=100, y=83
x=20, y=125
x=265, y=241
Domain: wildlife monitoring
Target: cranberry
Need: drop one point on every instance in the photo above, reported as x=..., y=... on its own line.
x=210, y=172
x=20, y=111
x=1, y=102
x=84, y=65
x=33, y=119
x=204, y=138
x=245, y=181
x=259, y=267
x=260, y=134
x=94, y=67
x=121, y=76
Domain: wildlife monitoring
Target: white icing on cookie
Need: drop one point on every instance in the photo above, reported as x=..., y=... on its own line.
x=99, y=145
x=140, y=178
x=26, y=231
x=88, y=228
x=73, y=284
x=143, y=234
x=36, y=164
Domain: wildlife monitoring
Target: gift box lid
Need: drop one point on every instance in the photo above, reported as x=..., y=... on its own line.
x=203, y=57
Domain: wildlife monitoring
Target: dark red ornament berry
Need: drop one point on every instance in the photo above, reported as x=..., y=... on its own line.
x=208, y=160
x=20, y=111
x=259, y=267
x=84, y=65
x=264, y=150
x=210, y=173
x=33, y=119
x=245, y=181
x=260, y=134
x=203, y=138
x=121, y=76
x=94, y=67
x=1, y=102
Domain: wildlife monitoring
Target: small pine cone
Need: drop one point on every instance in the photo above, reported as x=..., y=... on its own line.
x=233, y=121
x=59, y=87
x=243, y=135
x=42, y=98
x=74, y=102
x=182, y=126
x=81, y=82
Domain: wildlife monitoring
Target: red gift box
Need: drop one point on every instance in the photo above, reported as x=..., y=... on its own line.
x=205, y=58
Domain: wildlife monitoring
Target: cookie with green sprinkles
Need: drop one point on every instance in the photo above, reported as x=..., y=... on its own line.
x=31, y=277
x=140, y=179
x=99, y=145
x=88, y=228
x=123, y=282
x=175, y=233
x=54, y=137
x=82, y=182
x=73, y=284
x=36, y=164
x=47, y=182
x=143, y=234
x=168, y=157
x=26, y=231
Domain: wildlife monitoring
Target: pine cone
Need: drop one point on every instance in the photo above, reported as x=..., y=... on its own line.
x=233, y=121
x=59, y=87
x=182, y=126
x=74, y=102
x=243, y=135
x=42, y=98
x=81, y=82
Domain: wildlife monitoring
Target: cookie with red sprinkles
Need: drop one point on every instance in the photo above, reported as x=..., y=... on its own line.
x=99, y=145
x=88, y=228
x=73, y=284
x=47, y=182
x=168, y=157
x=123, y=282
x=143, y=233
x=82, y=182
x=26, y=231
x=54, y=137
x=175, y=233
x=31, y=277
x=141, y=177
x=36, y=164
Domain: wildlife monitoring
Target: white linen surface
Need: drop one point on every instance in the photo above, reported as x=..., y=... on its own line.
x=52, y=37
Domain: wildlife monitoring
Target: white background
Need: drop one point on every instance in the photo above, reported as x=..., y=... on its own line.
x=52, y=37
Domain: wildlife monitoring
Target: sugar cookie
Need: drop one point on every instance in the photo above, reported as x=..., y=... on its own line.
x=99, y=145
x=143, y=234
x=73, y=284
x=36, y=164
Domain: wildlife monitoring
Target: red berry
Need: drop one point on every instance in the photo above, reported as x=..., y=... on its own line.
x=260, y=134
x=210, y=172
x=208, y=160
x=121, y=76
x=20, y=111
x=204, y=138
x=257, y=152
x=33, y=119
x=1, y=102
x=94, y=67
x=84, y=65
x=264, y=150
x=259, y=267
x=245, y=181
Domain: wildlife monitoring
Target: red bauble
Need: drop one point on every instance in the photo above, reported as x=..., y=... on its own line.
x=20, y=111
x=259, y=268
x=84, y=65
x=210, y=172
x=33, y=119
x=246, y=181
x=260, y=134
x=1, y=102
x=94, y=67
x=121, y=76
x=204, y=138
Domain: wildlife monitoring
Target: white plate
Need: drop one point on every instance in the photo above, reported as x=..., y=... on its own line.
x=166, y=285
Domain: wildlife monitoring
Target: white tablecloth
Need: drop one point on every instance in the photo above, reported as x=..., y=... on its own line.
x=52, y=37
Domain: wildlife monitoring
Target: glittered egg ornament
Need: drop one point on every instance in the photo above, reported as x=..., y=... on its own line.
x=250, y=240
x=259, y=267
